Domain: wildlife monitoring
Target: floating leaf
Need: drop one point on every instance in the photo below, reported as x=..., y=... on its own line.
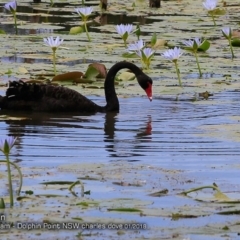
x=160, y=43
x=20, y=198
x=221, y=196
x=92, y=86
x=218, y=11
x=236, y=42
x=161, y=193
x=231, y=212
x=130, y=8
x=77, y=218
x=69, y=76
x=126, y=76
x=76, y=30
x=9, y=72
x=84, y=204
x=22, y=70
x=204, y=46
x=49, y=195
x=57, y=182
x=176, y=216
x=129, y=55
x=94, y=70
x=124, y=209
x=101, y=68
x=29, y=192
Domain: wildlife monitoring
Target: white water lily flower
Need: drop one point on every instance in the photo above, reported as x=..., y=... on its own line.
x=173, y=54
x=84, y=12
x=53, y=43
x=11, y=6
x=190, y=43
x=210, y=4
x=137, y=46
x=227, y=32
x=146, y=52
x=122, y=29
x=7, y=144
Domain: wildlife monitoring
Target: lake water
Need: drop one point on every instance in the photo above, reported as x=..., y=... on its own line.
x=160, y=145
x=141, y=158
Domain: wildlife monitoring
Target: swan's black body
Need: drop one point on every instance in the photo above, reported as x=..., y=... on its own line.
x=49, y=98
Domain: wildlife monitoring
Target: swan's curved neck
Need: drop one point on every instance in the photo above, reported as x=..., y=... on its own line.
x=110, y=93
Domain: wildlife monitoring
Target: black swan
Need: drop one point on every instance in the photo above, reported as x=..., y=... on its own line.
x=49, y=98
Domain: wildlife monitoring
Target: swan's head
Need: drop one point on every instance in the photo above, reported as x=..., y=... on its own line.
x=146, y=83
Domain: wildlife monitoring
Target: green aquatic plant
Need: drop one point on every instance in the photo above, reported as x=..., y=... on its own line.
x=145, y=54
x=6, y=146
x=84, y=13
x=138, y=31
x=173, y=55
x=12, y=7
x=210, y=6
x=193, y=45
x=124, y=31
x=54, y=44
x=227, y=33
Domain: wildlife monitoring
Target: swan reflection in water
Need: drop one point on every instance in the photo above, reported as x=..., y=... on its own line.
x=45, y=135
x=118, y=142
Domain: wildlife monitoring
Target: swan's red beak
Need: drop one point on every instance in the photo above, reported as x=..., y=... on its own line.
x=148, y=91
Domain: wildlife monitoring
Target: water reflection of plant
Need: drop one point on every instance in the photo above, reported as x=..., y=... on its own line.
x=6, y=146
x=12, y=7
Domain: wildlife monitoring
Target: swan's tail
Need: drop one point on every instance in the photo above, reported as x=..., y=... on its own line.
x=20, y=95
x=23, y=91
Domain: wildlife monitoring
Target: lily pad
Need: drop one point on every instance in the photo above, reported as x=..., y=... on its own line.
x=236, y=42
x=76, y=30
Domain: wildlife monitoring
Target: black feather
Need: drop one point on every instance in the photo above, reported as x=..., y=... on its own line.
x=50, y=98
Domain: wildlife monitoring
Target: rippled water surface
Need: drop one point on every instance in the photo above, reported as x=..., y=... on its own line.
x=162, y=133
x=172, y=142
